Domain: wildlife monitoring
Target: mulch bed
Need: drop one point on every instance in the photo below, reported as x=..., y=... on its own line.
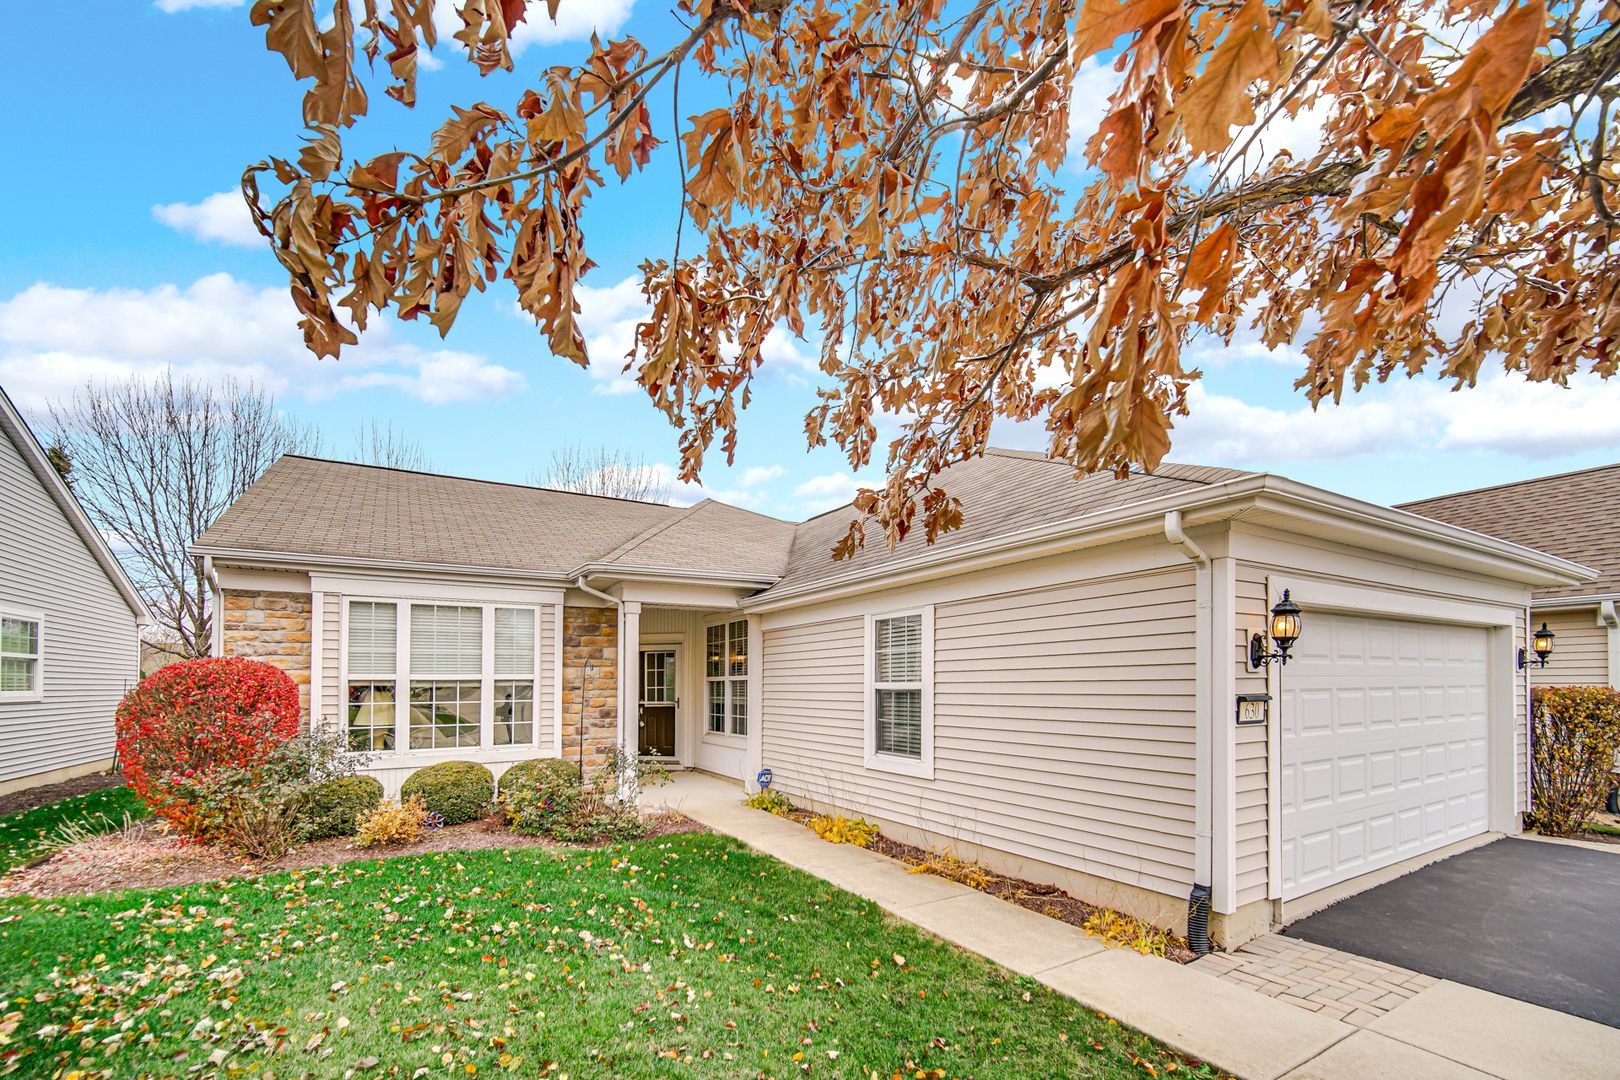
x=1048, y=900
x=147, y=856
x=32, y=798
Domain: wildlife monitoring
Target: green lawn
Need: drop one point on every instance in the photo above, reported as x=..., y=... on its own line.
x=26, y=836
x=686, y=956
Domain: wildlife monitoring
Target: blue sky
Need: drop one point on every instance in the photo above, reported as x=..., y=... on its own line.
x=123, y=247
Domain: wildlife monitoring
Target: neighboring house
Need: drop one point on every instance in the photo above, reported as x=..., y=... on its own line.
x=1575, y=515
x=69, y=622
x=1051, y=689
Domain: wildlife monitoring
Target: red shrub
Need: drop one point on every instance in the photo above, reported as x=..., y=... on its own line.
x=188, y=717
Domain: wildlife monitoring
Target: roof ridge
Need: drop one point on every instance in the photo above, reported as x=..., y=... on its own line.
x=469, y=479
x=1509, y=484
x=647, y=534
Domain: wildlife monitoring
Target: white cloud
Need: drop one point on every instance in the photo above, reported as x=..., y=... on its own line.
x=1093, y=85
x=760, y=474
x=576, y=20
x=172, y=6
x=608, y=316
x=829, y=492
x=222, y=216
x=1504, y=414
x=52, y=340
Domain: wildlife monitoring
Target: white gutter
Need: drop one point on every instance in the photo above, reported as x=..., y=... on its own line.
x=1587, y=600
x=1203, y=721
x=216, y=624
x=1211, y=502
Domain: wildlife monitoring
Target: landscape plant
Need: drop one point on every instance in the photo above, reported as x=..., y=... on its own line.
x=556, y=802
x=838, y=829
x=388, y=823
x=457, y=790
x=682, y=956
x=34, y=834
x=336, y=806
x=265, y=806
x=193, y=716
x=771, y=801
x=1574, y=737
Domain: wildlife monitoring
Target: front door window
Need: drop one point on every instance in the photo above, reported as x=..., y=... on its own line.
x=657, y=706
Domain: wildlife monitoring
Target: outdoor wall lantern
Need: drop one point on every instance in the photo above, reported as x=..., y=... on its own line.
x=1285, y=628
x=1541, y=643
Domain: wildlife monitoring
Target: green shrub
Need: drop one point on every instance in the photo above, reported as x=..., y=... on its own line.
x=458, y=790
x=339, y=804
x=551, y=800
x=1574, y=735
x=539, y=767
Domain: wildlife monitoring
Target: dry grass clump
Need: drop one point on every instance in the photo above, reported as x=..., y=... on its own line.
x=393, y=824
x=838, y=829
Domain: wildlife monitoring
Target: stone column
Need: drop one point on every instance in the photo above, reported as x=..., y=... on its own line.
x=629, y=695
x=590, y=685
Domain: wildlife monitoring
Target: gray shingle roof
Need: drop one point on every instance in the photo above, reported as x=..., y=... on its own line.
x=1572, y=515
x=307, y=506
x=1002, y=492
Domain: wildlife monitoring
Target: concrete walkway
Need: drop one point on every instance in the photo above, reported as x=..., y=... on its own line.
x=1445, y=1032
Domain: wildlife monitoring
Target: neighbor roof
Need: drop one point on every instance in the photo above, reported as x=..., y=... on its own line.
x=1001, y=492
x=1571, y=515
x=307, y=506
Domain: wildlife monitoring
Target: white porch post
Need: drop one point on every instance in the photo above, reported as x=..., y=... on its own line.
x=754, y=756
x=629, y=694
x=1223, y=732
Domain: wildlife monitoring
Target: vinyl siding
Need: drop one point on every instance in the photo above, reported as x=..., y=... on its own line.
x=89, y=654
x=1063, y=725
x=330, y=654
x=1253, y=823
x=1521, y=722
x=1580, y=649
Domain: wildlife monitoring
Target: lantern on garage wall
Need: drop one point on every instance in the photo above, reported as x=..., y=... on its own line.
x=1285, y=627
x=1541, y=643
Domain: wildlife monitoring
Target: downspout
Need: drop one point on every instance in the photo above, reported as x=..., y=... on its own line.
x=585, y=678
x=216, y=629
x=1198, y=903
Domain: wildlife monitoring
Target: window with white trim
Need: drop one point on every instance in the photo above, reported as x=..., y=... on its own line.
x=373, y=662
x=19, y=655
x=899, y=692
x=430, y=676
x=726, y=668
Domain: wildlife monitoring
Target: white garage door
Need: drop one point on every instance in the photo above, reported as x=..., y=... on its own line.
x=1383, y=745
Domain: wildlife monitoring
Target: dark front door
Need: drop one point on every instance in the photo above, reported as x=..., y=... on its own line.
x=657, y=703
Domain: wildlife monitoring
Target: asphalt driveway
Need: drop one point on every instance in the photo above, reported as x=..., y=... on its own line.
x=1526, y=919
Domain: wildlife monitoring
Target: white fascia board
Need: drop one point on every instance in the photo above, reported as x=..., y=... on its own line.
x=668, y=575
x=1566, y=603
x=287, y=560
x=1412, y=534
x=12, y=422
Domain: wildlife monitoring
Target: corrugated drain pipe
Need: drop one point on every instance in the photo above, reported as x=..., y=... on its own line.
x=1198, y=902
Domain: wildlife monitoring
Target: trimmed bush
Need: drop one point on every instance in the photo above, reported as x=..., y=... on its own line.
x=459, y=790
x=338, y=805
x=1574, y=735
x=540, y=768
x=389, y=824
x=189, y=718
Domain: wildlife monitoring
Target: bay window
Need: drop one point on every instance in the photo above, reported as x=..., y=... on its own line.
x=465, y=674
x=726, y=668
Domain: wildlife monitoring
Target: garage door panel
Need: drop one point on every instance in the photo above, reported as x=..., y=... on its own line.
x=1384, y=745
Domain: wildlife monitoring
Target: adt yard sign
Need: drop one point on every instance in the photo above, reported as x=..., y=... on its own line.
x=764, y=779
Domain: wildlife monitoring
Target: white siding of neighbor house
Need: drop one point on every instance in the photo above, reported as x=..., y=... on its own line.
x=1064, y=724
x=90, y=653
x=1580, y=649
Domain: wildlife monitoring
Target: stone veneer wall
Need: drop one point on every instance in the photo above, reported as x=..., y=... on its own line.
x=273, y=627
x=590, y=683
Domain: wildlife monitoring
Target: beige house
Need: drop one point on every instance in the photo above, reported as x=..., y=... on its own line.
x=70, y=620
x=1053, y=689
x=1574, y=515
